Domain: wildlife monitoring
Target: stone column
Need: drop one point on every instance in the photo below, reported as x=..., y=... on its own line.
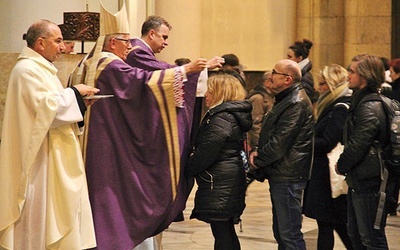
x=367, y=28
x=395, y=29
x=322, y=22
x=341, y=29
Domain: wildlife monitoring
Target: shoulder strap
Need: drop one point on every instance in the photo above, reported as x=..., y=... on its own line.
x=384, y=171
x=382, y=189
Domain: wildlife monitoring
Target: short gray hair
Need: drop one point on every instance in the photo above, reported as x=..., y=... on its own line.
x=38, y=29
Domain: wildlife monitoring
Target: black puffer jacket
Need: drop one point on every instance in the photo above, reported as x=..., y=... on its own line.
x=307, y=80
x=286, y=141
x=366, y=123
x=217, y=164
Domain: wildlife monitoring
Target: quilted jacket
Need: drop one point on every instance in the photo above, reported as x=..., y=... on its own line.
x=216, y=162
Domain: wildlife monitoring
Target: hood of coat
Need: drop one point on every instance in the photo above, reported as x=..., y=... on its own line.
x=241, y=110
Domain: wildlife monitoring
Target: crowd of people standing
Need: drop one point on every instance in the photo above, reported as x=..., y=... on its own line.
x=109, y=162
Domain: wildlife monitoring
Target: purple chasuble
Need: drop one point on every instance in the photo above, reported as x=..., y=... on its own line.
x=141, y=56
x=136, y=187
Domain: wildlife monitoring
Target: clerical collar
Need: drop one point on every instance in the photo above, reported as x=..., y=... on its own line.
x=145, y=43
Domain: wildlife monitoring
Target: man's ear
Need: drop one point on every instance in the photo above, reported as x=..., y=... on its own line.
x=363, y=82
x=112, y=43
x=39, y=44
x=152, y=34
x=288, y=80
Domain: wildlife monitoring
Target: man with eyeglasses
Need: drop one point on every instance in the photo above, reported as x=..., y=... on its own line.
x=285, y=151
x=43, y=190
x=133, y=142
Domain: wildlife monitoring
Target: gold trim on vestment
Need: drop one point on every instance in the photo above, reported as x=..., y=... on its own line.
x=84, y=136
x=170, y=123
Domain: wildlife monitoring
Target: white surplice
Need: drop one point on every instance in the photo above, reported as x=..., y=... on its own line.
x=44, y=200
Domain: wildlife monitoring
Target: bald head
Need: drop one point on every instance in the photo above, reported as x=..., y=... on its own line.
x=290, y=67
x=285, y=74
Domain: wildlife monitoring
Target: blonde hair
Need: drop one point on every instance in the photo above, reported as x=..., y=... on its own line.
x=225, y=88
x=334, y=75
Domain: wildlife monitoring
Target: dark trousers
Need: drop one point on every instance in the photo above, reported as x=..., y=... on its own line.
x=286, y=197
x=225, y=235
x=326, y=239
x=362, y=207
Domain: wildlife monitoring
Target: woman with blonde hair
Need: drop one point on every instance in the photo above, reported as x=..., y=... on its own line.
x=331, y=112
x=216, y=162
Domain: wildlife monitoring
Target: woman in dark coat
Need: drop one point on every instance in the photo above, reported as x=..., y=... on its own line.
x=331, y=112
x=216, y=162
x=299, y=52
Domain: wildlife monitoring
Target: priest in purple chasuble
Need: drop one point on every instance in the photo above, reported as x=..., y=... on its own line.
x=133, y=143
x=154, y=38
x=141, y=56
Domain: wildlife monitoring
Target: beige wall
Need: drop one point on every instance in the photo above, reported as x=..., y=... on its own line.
x=185, y=19
x=258, y=32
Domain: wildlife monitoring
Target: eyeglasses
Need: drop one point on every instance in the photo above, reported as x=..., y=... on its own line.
x=127, y=41
x=278, y=73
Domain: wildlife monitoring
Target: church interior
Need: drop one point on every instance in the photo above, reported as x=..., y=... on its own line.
x=259, y=33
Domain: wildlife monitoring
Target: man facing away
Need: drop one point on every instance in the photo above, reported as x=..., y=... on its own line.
x=43, y=190
x=134, y=142
x=366, y=125
x=285, y=151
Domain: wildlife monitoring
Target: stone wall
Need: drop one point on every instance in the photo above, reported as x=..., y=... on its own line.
x=342, y=29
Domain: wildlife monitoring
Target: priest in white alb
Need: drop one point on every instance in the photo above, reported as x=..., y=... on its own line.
x=44, y=200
